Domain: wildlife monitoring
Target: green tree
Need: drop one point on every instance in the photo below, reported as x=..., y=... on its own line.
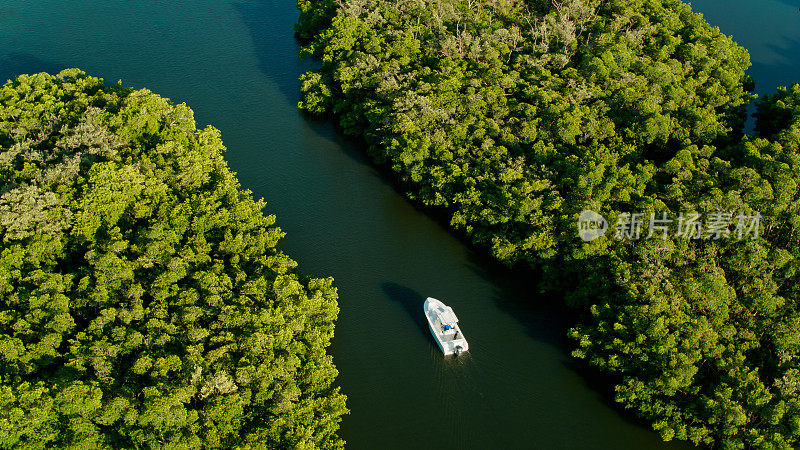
x=514, y=116
x=143, y=301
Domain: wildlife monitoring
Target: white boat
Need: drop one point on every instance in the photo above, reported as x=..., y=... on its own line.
x=444, y=327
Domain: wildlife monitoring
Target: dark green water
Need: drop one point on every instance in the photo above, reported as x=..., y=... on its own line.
x=235, y=63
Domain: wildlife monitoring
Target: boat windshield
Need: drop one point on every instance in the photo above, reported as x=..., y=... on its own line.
x=446, y=315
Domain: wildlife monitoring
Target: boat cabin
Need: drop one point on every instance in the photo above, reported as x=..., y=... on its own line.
x=446, y=319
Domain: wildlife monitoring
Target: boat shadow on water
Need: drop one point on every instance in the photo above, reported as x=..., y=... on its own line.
x=411, y=301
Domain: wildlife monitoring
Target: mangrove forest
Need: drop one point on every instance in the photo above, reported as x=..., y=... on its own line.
x=512, y=117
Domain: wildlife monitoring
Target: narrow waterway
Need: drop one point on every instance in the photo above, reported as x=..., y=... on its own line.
x=236, y=64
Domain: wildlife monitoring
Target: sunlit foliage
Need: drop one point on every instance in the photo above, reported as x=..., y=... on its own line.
x=514, y=116
x=143, y=303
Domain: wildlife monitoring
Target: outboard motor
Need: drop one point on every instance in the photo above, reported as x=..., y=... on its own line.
x=458, y=350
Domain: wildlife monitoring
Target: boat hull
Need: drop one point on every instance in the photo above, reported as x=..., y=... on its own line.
x=452, y=342
x=436, y=338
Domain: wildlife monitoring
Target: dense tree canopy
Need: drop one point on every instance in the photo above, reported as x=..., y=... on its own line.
x=509, y=112
x=516, y=115
x=143, y=303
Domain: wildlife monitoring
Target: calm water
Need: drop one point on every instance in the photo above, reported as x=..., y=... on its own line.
x=235, y=63
x=769, y=29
